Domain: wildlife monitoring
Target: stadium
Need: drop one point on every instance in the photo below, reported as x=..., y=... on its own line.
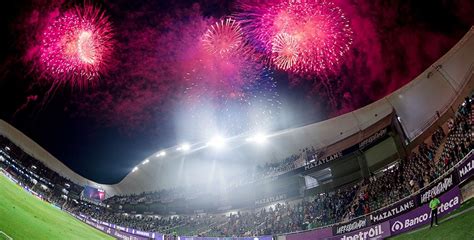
x=244, y=120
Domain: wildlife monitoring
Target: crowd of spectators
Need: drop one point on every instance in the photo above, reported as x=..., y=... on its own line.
x=162, y=196
x=311, y=212
x=459, y=141
x=276, y=168
x=426, y=163
x=421, y=167
x=34, y=174
x=267, y=170
x=283, y=217
x=308, y=213
x=184, y=224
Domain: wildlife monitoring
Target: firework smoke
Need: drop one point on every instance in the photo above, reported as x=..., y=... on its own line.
x=221, y=74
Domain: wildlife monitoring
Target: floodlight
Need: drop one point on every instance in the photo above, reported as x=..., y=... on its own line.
x=260, y=138
x=216, y=141
x=184, y=147
x=257, y=138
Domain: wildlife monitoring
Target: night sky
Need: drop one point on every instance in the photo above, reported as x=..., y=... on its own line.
x=137, y=107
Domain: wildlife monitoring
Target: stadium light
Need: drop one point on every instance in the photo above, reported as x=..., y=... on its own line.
x=146, y=161
x=161, y=154
x=216, y=141
x=134, y=169
x=257, y=138
x=260, y=138
x=184, y=147
x=7, y=148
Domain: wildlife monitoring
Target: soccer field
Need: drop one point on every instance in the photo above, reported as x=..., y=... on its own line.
x=23, y=216
x=458, y=225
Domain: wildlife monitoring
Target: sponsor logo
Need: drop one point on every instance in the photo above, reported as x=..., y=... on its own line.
x=374, y=232
x=141, y=233
x=122, y=236
x=121, y=228
x=466, y=170
x=100, y=227
x=323, y=160
x=89, y=222
x=358, y=224
x=399, y=225
x=439, y=188
x=410, y=222
x=392, y=212
x=448, y=205
x=270, y=199
x=376, y=136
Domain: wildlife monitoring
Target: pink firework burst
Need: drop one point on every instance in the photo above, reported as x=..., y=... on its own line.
x=284, y=51
x=306, y=36
x=225, y=38
x=218, y=62
x=76, y=47
x=221, y=77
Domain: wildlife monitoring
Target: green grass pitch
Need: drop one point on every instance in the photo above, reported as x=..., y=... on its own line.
x=23, y=216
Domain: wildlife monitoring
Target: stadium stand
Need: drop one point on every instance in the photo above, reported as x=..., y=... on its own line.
x=427, y=162
x=434, y=143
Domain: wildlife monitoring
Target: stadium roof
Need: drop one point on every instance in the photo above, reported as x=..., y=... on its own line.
x=416, y=104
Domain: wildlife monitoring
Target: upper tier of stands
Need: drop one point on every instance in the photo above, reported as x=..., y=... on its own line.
x=445, y=147
x=418, y=104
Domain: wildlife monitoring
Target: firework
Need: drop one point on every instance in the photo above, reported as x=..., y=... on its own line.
x=217, y=65
x=284, y=51
x=76, y=47
x=224, y=38
x=211, y=77
x=307, y=36
x=220, y=75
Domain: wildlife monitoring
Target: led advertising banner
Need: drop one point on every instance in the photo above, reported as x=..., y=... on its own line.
x=450, y=201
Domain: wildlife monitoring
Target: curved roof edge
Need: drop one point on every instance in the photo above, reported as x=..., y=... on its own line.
x=416, y=103
x=35, y=150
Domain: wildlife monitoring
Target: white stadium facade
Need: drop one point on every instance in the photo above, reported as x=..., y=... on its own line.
x=418, y=106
